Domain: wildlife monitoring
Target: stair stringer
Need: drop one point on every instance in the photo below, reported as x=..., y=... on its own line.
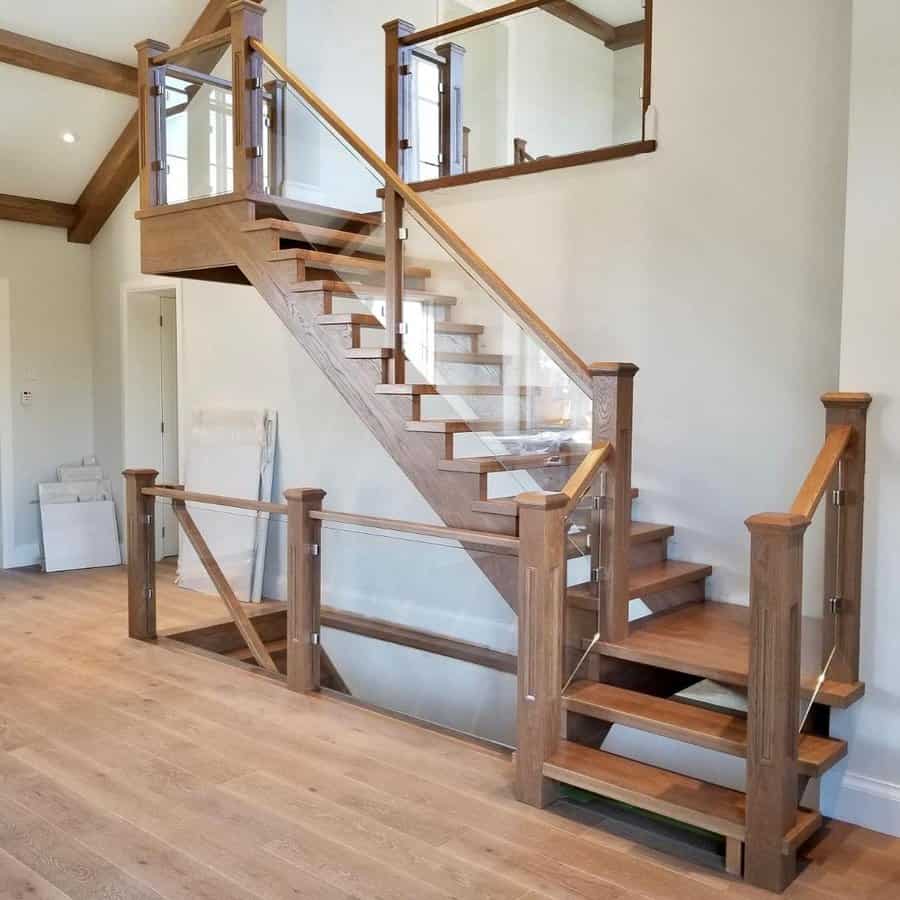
x=449, y=495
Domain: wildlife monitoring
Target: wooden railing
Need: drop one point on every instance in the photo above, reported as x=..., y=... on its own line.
x=776, y=616
x=306, y=613
x=403, y=43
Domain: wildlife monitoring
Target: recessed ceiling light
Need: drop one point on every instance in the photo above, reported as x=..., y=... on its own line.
x=69, y=137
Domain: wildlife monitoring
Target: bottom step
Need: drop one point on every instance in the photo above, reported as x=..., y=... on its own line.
x=679, y=797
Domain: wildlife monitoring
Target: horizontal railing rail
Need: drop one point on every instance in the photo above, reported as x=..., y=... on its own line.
x=484, y=275
x=194, y=77
x=463, y=535
x=215, y=500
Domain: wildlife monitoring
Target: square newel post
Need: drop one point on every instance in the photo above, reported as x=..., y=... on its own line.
x=451, y=107
x=140, y=527
x=773, y=701
x=541, y=607
x=844, y=539
x=304, y=588
x=151, y=124
x=613, y=413
x=247, y=95
x=398, y=97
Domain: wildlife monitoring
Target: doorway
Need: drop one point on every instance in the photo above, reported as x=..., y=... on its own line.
x=150, y=383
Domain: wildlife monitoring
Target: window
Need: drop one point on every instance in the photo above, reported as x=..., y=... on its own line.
x=427, y=106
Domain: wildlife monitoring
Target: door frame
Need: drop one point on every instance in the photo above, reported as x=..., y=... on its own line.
x=152, y=286
x=7, y=475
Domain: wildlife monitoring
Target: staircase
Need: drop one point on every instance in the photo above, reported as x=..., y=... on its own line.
x=344, y=284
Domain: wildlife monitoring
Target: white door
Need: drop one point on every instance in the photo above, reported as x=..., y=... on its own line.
x=151, y=414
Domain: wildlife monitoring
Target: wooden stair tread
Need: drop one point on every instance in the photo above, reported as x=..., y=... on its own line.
x=507, y=506
x=710, y=640
x=485, y=464
x=457, y=390
x=340, y=261
x=692, y=724
x=471, y=359
x=358, y=289
x=331, y=237
x=369, y=353
x=363, y=319
x=643, y=581
x=267, y=203
x=460, y=426
x=688, y=800
x=458, y=327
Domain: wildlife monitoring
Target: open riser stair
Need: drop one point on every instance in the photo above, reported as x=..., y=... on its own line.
x=448, y=367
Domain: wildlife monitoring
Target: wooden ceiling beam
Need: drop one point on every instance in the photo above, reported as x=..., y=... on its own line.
x=36, y=212
x=39, y=56
x=118, y=170
x=580, y=18
x=629, y=35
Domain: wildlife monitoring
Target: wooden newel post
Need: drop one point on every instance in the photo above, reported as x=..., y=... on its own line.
x=151, y=124
x=247, y=95
x=541, y=607
x=304, y=588
x=613, y=412
x=141, y=536
x=451, y=108
x=773, y=711
x=844, y=539
x=398, y=97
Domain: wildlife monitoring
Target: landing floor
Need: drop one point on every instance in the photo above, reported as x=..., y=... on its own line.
x=131, y=771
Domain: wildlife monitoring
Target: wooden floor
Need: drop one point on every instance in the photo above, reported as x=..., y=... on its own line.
x=131, y=771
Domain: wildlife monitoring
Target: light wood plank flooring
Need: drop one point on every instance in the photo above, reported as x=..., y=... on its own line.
x=130, y=771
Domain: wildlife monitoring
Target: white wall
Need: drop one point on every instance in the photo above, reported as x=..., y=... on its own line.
x=51, y=356
x=868, y=788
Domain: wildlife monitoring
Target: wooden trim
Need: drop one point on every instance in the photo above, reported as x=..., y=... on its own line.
x=506, y=297
x=509, y=545
x=629, y=35
x=32, y=211
x=810, y=494
x=62, y=62
x=398, y=96
x=219, y=38
x=216, y=500
x=648, y=64
x=224, y=589
x=418, y=639
x=545, y=164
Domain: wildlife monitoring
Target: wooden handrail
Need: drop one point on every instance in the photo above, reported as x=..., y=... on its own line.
x=485, y=16
x=810, y=494
x=465, y=536
x=198, y=45
x=216, y=500
x=477, y=268
x=582, y=478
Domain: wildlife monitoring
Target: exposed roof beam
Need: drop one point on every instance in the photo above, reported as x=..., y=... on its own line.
x=36, y=212
x=582, y=19
x=629, y=35
x=117, y=172
x=39, y=56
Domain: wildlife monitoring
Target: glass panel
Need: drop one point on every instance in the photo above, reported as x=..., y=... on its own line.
x=513, y=417
x=818, y=628
x=559, y=83
x=434, y=587
x=199, y=133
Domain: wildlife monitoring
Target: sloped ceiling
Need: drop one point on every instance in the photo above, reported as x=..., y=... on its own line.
x=37, y=108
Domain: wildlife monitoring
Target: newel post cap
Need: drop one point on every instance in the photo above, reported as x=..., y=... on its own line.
x=304, y=495
x=251, y=6
x=399, y=26
x=542, y=500
x=778, y=523
x=846, y=400
x=621, y=369
x=140, y=473
x=151, y=45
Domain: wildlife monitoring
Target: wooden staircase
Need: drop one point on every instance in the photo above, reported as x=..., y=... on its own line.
x=338, y=281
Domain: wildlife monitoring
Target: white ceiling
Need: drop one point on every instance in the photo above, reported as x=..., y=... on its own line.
x=34, y=162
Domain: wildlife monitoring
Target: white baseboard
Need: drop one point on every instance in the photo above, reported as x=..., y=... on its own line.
x=865, y=801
